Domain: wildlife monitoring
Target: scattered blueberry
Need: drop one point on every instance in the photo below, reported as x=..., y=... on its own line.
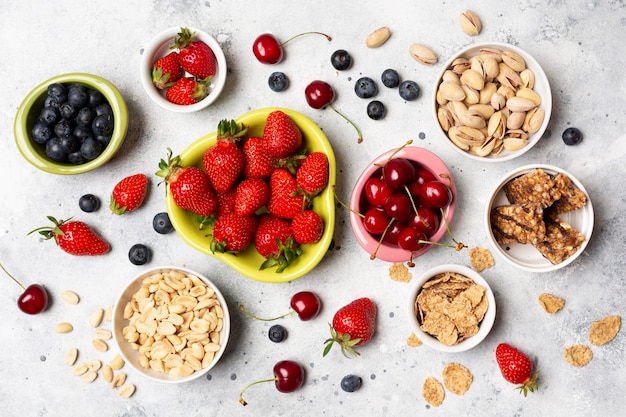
x=139, y=254
x=350, y=383
x=277, y=333
x=376, y=110
x=390, y=78
x=89, y=203
x=162, y=224
x=365, y=87
x=572, y=136
x=341, y=60
x=278, y=81
x=409, y=90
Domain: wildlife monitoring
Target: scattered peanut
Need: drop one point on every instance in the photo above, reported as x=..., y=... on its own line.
x=117, y=363
x=71, y=356
x=89, y=376
x=107, y=373
x=126, y=391
x=103, y=334
x=100, y=345
x=96, y=318
x=64, y=327
x=70, y=297
x=118, y=380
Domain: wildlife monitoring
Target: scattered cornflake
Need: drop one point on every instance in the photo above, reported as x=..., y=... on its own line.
x=578, y=355
x=433, y=392
x=481, y=259
x=413, y=341
x=399, y=272
x=604, y=330
x=551, y=303
x=457, y=378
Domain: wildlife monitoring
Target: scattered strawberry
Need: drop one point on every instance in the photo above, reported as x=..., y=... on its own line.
x=516, y=368
x=274, y=241
x=353, y=325
x=312, y=176
x=166, y=71
x=233, y=233
x=259, y=163
x=284, y=200
x=187, y=91
x=190, y=186
x=281, y=136
x=224, y=161
x=250, y=195
x=74, y=237
x=196, y=57
x=128, y=194
x=308, y=227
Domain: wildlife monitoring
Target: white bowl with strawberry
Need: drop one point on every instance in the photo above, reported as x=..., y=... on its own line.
x=402, y=204
x=183, y=69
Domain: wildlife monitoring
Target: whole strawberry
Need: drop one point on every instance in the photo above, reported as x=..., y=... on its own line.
x=259, y=162
x=226, y=202
x=74, y=237
x=233, y=233
x=308, y=227
x=189, y=186
x=250, y=195
x=353, y=325
x=166, y=71
x=129, y=193
x=312, y=176
x=274, y=241
x=284, y=199
x=224, y=161
x=516, y=368
x=187, y=91
x=195, y=56
x=281, y=136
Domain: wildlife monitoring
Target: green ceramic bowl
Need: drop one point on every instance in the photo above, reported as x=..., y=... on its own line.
x=248, y=262
x=31, y=106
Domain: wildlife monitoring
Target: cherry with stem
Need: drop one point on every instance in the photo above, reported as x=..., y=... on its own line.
x=268, y=50
x=288, y=377
x=34, y=298
x=304, y=303
x=319, y=95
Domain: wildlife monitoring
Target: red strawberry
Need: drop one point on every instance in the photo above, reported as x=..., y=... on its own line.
x=312, y=176
x=281, y=136
x=259, y=163
x=274, y=241
x=516, y=368
x=353, y=325
x=128, y=194
x=233, y=233
x=166, y=71
x=226, y=202
x=187, y=91
x=190, y=186
x=308, y=227
x=250, y=195
x=196, y=57
x=224, y=161
x=74, y=237
x=284, y=200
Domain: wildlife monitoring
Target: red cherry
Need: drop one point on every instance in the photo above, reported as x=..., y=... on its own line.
x=435, y=194
x=426, y=220
x=377, y=191
x=397, y=172
x=306, y=304
x=375, y=221
x=268, y=50
x=393, y=233
x=33, y=300
x=422, y=176
x=319, y=95
x=398, y=206
x=288, y=377
x=409, y=239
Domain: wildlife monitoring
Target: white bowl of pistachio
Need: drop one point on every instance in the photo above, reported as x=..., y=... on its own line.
x=492, y=101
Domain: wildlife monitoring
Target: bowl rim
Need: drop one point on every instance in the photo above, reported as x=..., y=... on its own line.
x=434, y=164
x=118, y=310
x=28, y=148
x=485, y=326
x=546, y=100
x=149, y=57
x=544, y=265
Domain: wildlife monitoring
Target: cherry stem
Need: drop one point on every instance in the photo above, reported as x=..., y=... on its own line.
x=344, y=205
x=407, y=143
x=241, y=400
x=12, y=277
x=247, y=313
x=307, y=33
x=360, y=138
x=380, y=241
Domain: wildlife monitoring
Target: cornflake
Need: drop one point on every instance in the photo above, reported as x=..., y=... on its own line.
x=413, y=341
x=481, y=259
x=551, y=303
x=578, y=355
x=603, y=331
x=433, y=392
x=457, y=378
x=399, y=272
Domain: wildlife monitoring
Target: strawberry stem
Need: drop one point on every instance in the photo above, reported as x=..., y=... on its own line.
x=360, y=138
x=12, y=277
x=307, y=33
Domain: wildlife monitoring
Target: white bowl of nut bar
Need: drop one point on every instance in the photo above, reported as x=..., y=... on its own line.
x=539, y=218
x=451, y=308
x=492, y=102
x=171, y=324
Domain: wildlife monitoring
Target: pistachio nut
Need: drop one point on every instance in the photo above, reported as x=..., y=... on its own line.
x=441, y=100
x=423, y=54
x=496, y=126
x=507, y=92
x=508, y=76
x=485, y=110
x=491, y=53
x=456, y=142
x=451, y=76
x=488, y=90
x=476, y=64
x=457, y=108
x=534, y=120
x=498, y=101
x=444, y=115
x=529, y=94
x=378, y=37
x=460, y=64
x=451, y=91
x=471, y=96
x=515, y=120
x=473, y=79
x=491, y=69
x=514, y=60
x=470, y=23
x=497, y=147
x=520, y=104
x=514, y=143
x=467, y=135
x=486, y=148
x=473, y=119
x=528, y=78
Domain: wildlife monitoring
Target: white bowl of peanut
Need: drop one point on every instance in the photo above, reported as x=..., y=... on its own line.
x=171, y=324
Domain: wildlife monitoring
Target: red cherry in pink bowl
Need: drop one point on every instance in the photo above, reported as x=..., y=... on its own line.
x=428, y=167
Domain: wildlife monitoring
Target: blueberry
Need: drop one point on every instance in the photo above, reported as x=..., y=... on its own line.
x=390, y=78
x=341, y=60
x=103, y=108
x=139, y=254
x=76, y=158
x=409, y=90
x=49, y=115
x=82, y=131
x=365, y=87
x=63, y=128
x=57, y=90
x=102, y=125
x=278, y=81
x=104, y=140
x=90, y=148
x=572, y=136
x=70, y=143
x=277, y=333
x=55, y=151
x=42, y=133
x=89, y=203
x=350, y=383
x=162, y=224
x=67, y=111
x=52, y=101
x=85, y=116
x=77, y=96
x=376, y=110
x=94, y=98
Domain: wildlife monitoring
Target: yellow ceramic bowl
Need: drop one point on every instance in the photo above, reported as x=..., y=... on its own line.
x=248, y=262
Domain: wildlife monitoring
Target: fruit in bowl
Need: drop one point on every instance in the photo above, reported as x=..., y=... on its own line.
x=402, y=204
x=242, y=228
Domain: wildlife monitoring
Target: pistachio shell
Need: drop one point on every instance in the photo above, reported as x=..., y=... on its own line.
x=467, y=135
x=453, y=138
x=473, y=119
x=497, y=147
x=513, y=143
x=498, y=101
x=485, y=110
x=514, y=60
x=446, y=121
x=507, y=92
x=529, y=94
x=451, y=77
x=460, y=64
x=491, y=69
x=491, y=52
x=508, y=77
x=471, y=96
x=378, y=37
x=451, y=91
x=473, y=79
x=457, y=108
x=528, y=78
x=515, y=120
x=496, y=126
x=534, y=120
x=470, y=23
x=485, y=94
x=486, y=148
x=423, y=54
x=476, y=64
x=520, y=104
x=441, y=100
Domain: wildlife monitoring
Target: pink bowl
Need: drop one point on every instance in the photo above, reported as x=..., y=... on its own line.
x=388, y=252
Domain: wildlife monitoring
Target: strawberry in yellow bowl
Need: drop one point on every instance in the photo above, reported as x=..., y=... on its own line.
x=256, y=194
